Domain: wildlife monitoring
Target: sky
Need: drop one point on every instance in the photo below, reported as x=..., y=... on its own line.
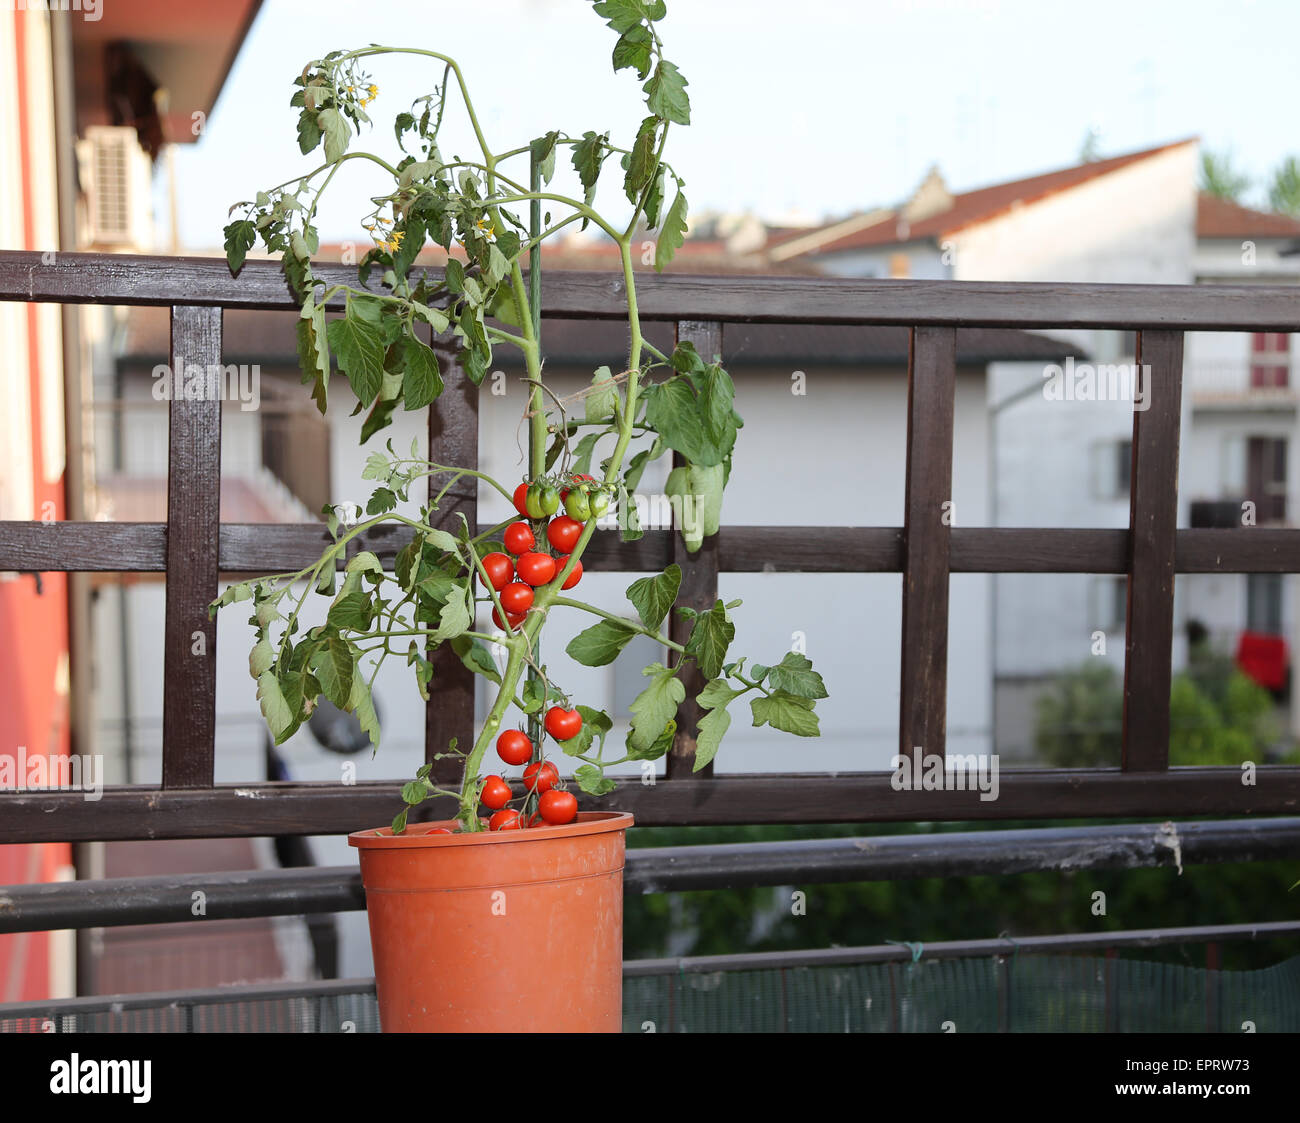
x=839, y=107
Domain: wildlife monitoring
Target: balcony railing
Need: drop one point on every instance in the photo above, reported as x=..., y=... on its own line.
x=192, y=548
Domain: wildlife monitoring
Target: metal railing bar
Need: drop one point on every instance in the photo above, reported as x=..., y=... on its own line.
x=117, y=902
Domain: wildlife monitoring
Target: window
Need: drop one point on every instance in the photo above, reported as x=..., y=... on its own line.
x=1270, y=359
x=628, y=679
x=1266, y=477
x=1264, y=603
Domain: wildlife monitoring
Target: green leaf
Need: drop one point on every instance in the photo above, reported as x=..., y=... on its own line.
x=588, y=156
x=332, y=664
x=337, y=132
x=786, y=712
x=636, y=466
x=720, y=420
x=672, y=233
x=362, y=704
x=655, y=596
x=415, y=792
x=713, y=726
x=383, y=499
x=365, y=561
x=622, y=15
x=595, y=724
x=685, y=358
x=666, y=94
x=641, y=162
x=795, y=675
x=655, y=706
x=313, y=354
x=675, y=414
x=654, y=199
x=600, y=644
x=710, y=638
x=603, y=399
x=456, y=617
x=474, y=654
x=592, y=780
x=543, y=151
x=240, y=237
x=421, y=379
x=634, y=49
x=658, y=747
x=358, y=342
x=717, y=693
x=261, y=658
x=309, y=131
x=399, y=821
x=351, y=610
x=582, y=453
x=281, y=717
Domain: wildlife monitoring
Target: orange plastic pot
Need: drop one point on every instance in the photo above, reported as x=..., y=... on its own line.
x=497, y=932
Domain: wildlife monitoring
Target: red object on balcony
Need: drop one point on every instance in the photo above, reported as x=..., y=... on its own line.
x=1264, y=658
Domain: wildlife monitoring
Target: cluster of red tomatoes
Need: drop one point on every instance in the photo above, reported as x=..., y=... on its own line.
x=555, y=806
x=516, y=574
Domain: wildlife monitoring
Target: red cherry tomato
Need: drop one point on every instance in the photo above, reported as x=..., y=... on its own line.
x=536, y=569
x=573, y=577
x=505, y=820
x=563, y=533
x=496, y=793
x=515, y=620
x=563, y=724
x=514, y=746
x=541, y=776
x=517, y=598
x=557, y=808
x=519, y=538
x=521, y=494
x=499, y=569
x=440, y=830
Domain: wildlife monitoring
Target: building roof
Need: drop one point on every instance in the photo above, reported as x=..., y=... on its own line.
x=1222, y=218
x=268, y=338
x=973, y=207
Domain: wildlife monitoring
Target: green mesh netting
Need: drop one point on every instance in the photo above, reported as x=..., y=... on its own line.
x=1020, y=994
x=1024, y=994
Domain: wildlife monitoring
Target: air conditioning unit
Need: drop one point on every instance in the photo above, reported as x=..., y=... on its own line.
x=116, y=175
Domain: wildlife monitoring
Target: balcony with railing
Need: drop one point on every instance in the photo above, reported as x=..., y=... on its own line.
x=192, y=549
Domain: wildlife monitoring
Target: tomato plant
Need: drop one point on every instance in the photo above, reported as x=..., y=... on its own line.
x=479, y=211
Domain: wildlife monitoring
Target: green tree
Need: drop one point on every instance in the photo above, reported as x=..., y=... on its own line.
x=1221, y=178
x=1284, y=190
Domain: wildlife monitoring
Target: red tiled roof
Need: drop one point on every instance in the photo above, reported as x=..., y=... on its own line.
x=972, y=207
x=1221, y=218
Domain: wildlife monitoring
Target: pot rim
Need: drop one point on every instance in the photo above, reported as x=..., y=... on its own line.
x=417, y=835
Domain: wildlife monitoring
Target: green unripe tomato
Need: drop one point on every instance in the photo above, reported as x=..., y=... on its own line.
x=576, y=506
x=598, y=502
x=533, y=502
x=549, y=500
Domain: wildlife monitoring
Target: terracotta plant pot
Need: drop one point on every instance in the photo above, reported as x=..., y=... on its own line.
x=497, y=932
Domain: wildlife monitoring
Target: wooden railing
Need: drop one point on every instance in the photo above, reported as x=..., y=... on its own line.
x=192, y=548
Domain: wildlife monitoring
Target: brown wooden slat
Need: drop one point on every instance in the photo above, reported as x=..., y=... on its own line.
x=923, y=694
x=860, y=797
x=453, y=440
x=91, y=278
x=1153, y=519
x=699, y=589
x=255, y=548
x=193, y=518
